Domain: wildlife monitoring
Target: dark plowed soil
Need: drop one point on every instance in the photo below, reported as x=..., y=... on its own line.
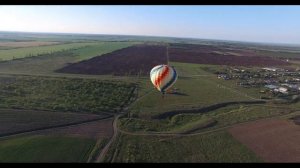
x=140, y=59
x=207, y=55
x=96, y=129
x=128, y=61
x=13, y=121
x=274, y=140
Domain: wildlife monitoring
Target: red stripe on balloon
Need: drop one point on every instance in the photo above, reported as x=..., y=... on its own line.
x=162, y=76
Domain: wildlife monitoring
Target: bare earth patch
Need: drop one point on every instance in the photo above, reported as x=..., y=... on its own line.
x=274, y=140
x=95, y=129
x=200, y=54
x=128, y=61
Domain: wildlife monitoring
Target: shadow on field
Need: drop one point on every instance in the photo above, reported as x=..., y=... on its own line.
x=203, y=109
x=179, y=94
x=296, y=119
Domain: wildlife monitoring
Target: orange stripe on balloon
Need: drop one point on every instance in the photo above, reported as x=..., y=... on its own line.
x=162, y=76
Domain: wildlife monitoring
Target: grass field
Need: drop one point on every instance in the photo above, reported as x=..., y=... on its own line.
x=65, y=94
x=194, y=92
x=45, y=149
x=26, y=44
x=35, y=51
x=178, y=123
x=214, y=147
x=187, y=69
x=99, y=49
x=207, y=72
x=222, y=117
x=34, y=95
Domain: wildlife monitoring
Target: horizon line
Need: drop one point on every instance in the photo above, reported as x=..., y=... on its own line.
x=157, y=36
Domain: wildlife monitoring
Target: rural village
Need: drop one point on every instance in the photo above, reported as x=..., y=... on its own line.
x=276, y=82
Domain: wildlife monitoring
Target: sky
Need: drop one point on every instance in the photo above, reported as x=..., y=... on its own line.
x=273, y=24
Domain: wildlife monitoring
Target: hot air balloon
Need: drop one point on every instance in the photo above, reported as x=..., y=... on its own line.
x=163, y=77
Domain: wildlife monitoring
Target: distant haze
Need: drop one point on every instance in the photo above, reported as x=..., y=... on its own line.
x=274, y=24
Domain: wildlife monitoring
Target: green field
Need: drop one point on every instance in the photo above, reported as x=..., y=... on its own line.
x=34, y=95
x=178, y=123
x=40, y=148
x=35, y=51
x=214, y=147
x=196, y=91
x=47, y=63
x=6, y=48
x=99, y=49
x=251, y=93
x=221, y=117
x=187, y=69
x=65, y=94
x=199, y=88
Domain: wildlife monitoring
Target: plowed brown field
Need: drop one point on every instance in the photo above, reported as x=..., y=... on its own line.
x=142, y=58
x=95, y=129
x=128, y=61
x=274, y=140
x=218, y=56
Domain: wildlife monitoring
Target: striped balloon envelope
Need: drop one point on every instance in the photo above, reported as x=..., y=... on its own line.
x=163, y=77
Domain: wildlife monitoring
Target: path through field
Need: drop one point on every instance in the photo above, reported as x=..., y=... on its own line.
x=112, y=139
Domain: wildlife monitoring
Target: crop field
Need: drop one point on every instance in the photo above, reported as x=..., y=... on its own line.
x=12, y=54
x=280, y=54
x=276, y=141
x=16, y=121
x=207, y=55
x=27, y=44
x=42, y=148
x=60, y=94
x=214, y=147
x=49, y=63
x=139, y=59
x=44, y=64
x=66, y=94
x=99, y=49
